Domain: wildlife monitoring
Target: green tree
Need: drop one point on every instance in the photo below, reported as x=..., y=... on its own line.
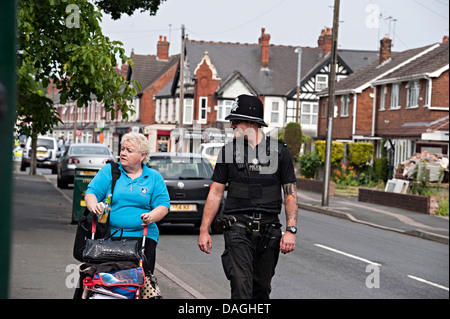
x=62, y=41
x=117, y=7
x=293, y=138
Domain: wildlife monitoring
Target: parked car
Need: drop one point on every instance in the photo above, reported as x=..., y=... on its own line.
x=83, y=155
x=210, y=151
x=188, y=180
x=47, y=153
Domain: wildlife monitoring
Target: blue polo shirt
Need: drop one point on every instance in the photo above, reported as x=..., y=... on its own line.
x=131, y=198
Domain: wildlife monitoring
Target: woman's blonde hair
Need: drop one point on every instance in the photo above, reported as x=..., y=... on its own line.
x=140, y=141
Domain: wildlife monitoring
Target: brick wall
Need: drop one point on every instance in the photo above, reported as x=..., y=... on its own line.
x=440, y=90
x=147, y=111
x=315, y=186
x=388, y=120
x=205, y=87
x=415, y=203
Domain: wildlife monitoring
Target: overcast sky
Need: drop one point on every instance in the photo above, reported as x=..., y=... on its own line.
x=410, y=23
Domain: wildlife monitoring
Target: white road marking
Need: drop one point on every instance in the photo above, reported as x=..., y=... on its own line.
x=347, y=254
x=428, y=282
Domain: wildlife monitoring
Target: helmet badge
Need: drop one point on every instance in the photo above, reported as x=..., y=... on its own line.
x=235, y=105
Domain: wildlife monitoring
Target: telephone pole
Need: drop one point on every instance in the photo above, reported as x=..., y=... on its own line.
x=331, y=102
x=297, y=111
x=182, y=78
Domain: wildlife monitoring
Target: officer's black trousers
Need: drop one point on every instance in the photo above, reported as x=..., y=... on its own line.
x=249, y=267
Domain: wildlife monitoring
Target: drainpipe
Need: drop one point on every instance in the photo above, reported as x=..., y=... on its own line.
x=355, y=103
x=374, y=110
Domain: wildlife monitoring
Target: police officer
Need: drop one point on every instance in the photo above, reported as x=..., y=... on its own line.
x=256, y=168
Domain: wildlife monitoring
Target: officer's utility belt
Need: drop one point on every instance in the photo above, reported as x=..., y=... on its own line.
x=255, y=222
x=256, y=193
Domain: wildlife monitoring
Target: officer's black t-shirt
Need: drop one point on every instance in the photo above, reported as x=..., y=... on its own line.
x=227, y=171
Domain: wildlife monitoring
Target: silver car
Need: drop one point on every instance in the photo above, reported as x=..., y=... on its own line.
x=83, y=155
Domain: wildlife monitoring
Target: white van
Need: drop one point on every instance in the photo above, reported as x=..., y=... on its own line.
x=210, y=151
x=47, y=153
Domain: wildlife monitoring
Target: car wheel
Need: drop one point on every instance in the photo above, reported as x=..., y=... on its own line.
x=63, y=183
x=54, y=170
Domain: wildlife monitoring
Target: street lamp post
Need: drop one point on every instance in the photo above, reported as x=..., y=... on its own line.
x=299, y=66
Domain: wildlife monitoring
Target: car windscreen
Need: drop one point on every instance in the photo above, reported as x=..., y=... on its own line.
x=48, y=144
x=88, y=150
x=182, y=168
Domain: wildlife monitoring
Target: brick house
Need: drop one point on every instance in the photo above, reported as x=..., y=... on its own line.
x=400, y=99
x=216, y=73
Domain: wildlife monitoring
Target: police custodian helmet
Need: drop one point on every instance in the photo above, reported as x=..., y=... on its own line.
x=247, y=108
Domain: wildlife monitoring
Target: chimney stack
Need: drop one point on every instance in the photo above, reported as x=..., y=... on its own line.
x=264, y=44
x=385, y=49
x=325, y=40
x=163, y=49
x=445, y=39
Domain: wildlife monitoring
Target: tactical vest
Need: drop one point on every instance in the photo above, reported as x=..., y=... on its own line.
x=254, y=186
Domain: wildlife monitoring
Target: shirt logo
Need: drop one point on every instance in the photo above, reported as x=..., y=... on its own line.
x=144, y=191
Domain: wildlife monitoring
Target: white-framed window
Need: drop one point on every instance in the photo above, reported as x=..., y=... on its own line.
x=321, y=82
x=203, y=108
x=223, y=109
x=188, y=107
x=395, y=96
x=309, y=113
x=383, y=97
x=344, y=105
x=158, y=111
x=412, y=94
x=275, y=114
x=427, y=92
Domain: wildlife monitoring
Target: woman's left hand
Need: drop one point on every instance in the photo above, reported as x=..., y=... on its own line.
x=147, y=219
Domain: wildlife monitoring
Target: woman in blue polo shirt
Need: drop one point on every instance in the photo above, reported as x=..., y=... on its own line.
x=140, y=194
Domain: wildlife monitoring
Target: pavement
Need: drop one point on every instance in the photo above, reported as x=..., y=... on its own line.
x=429, y=227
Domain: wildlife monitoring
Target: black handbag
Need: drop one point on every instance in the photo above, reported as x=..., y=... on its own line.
x=105, y=250
x=85, y=222
x=84, y=232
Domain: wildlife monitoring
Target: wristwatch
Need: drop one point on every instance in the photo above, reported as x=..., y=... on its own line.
x=292, y=229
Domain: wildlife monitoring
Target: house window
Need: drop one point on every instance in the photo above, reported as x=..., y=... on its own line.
x=223, y=109
x=309, y=113
x=344, y=105
x=324, y=108
x=187, y=113
x=202, y=109
x=383, y=98
x=275, y=115
x=412, y=98
x=321, y=82
x=395, y=96
x=427, y=92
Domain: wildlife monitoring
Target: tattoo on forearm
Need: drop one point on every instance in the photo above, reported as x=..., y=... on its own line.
x=290, y=200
